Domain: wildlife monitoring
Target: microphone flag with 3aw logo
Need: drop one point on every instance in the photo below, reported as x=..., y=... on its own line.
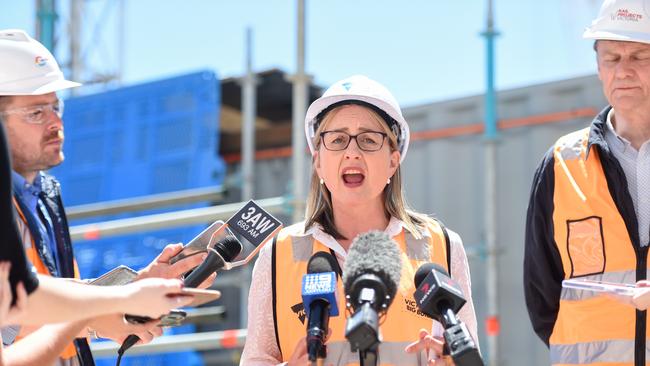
x=254, y=224
x=251, y=225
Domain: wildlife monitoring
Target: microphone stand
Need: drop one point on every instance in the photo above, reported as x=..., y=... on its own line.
x=459, y=342
x=362, y=329
x=368, y=357
x=320, y=359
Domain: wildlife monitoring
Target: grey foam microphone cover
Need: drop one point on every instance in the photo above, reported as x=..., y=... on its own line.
x=376, y=253
x=321, y=262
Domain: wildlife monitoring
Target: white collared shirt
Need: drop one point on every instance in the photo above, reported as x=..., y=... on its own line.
x=393, y=229
x=636, y=166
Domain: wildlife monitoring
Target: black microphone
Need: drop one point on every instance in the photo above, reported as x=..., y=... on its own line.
x=439, y=297
x=319, y=300
x=370, y=279
x=225, y=250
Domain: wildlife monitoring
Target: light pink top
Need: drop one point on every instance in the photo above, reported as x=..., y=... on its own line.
x=261, y=347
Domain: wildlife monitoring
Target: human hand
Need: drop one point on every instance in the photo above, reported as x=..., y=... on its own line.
x=5, y=291
x=153, y=297
x=160, y=267
x=638, y=297
x=641, y=298
x=8, y=312
x=116, y=328
x=433, y=347
x=299, y=356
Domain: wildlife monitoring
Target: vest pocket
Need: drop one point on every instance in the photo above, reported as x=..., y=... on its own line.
x=586, y=246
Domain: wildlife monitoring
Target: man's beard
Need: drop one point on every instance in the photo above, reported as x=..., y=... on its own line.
x=54, y=162
x=51, y=162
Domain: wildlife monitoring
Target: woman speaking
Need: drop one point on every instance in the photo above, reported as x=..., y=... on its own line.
x=358, y=138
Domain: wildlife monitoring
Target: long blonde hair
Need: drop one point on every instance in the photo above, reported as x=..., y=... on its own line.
x=319, y=200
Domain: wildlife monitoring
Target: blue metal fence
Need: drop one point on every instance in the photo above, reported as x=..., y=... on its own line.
x=150, y=138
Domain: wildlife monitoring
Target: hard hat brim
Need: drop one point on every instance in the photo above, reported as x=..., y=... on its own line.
x=56, y=86
x=51, y=87
x=617, y=36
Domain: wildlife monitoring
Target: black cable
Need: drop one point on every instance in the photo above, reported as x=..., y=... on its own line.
x=128, y=343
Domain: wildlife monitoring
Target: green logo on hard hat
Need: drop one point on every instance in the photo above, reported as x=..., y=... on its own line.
x=347, y=86
x=40, y=61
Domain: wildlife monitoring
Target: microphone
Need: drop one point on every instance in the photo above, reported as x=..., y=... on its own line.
x=371, y=276
x=439, y=297
x=319, y=300
x=225, y=250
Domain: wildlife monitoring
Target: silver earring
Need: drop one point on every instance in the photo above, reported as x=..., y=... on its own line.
x=322, y=181
x=388, y=181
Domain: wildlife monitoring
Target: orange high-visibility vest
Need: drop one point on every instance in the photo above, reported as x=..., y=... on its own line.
x=594, y=243
x=401, y=323
x=69, y=355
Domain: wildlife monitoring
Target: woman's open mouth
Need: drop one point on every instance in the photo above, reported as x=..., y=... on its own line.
x=353, y=178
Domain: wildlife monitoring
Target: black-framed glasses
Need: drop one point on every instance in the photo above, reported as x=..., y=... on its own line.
x=339, y=140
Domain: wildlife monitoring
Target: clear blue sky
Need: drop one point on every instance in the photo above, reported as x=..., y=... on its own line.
x=422, y=50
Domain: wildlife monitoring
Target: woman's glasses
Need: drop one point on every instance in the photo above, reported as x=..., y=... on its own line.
x=339, y=140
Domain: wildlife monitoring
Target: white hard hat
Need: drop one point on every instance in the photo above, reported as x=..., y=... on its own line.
x=27, y=67
x=359, y=88
x=621, y=20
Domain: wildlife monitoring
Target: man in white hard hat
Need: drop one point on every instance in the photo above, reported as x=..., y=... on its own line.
x=30, y=112
x=589, y=210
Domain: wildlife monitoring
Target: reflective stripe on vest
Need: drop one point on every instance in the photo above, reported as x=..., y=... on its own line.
x=338, y=353
x=594, y=243
x=599, y=352
x=401, y=324
x=69, y=355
